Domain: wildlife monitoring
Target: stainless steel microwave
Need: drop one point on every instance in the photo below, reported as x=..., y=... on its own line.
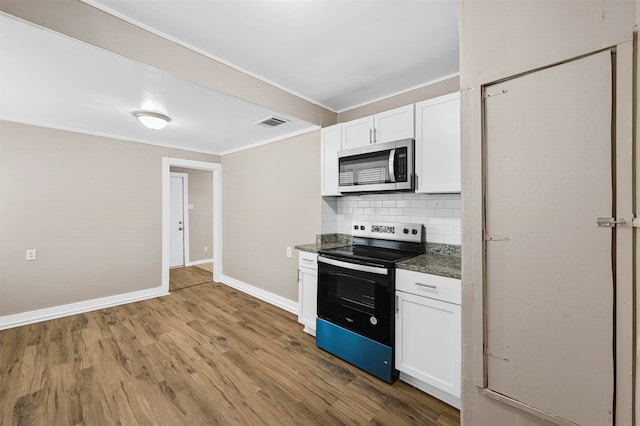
x=377, y=167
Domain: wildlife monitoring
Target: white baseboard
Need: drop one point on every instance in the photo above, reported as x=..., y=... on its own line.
x=199, y=262
x=274, y=299
x=38, y=315
x=431, y=390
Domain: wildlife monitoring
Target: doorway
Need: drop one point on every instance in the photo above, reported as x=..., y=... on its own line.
x=170, y=251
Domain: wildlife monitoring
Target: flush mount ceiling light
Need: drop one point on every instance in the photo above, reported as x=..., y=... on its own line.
x=152, y=120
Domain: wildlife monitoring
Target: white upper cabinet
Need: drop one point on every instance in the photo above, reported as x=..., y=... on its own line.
x=394, y=125
x=357, y=133
x=388, y=126
x=438, y=144
x=331, y=144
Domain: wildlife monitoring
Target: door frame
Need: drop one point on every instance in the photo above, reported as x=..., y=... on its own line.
x=186, y=260
x=216, y=170
x=626, y=334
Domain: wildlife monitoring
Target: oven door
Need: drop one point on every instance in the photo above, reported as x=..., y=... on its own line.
x=357, y=296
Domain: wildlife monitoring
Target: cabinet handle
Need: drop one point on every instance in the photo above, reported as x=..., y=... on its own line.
x=375, y=138
x=370, y=132
x=431, y=286
x=397, y=305
x=308, y=260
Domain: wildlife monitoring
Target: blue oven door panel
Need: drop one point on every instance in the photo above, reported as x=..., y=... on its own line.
x=369, y=355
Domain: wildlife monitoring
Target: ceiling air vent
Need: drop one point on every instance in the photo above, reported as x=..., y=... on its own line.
x=271, y=121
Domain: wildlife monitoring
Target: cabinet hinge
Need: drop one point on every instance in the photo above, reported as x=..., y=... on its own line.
x=635, y=221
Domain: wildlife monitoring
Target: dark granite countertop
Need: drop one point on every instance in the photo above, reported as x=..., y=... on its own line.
x=326, y=241
x=315, y=247
x=434, y=264
x=439, y=259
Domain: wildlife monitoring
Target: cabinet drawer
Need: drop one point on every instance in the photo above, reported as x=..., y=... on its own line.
x=308, y=260
x=433, y=286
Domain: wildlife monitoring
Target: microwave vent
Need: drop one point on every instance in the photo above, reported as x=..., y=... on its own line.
x=271, y=121
x=346, y=178
x=371, y=176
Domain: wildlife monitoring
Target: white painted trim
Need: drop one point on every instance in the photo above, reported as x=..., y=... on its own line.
x=272, y=140
x=401, y=92
x=216, y=170
x=105, y=135
x=431, y=390
x=185, y=215
x=200, y=51
x=274, y=299
x=200, y=262
x=164, y=145
x=45, y=314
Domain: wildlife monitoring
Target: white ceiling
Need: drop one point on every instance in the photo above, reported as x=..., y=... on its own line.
x=336, y=53
x=54, y=81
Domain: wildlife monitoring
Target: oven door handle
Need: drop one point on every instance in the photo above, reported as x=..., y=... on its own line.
x=354, y=266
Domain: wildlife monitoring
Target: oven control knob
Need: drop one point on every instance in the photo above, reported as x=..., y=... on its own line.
x=405, y=230
x=362, y=227
x=373, y=320
x=414, y=231
x=355, y=226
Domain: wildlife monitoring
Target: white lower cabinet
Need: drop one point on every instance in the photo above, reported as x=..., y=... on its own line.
x=428, y=338
x=308, y=291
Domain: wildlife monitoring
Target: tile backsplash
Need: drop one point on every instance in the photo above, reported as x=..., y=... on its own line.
x=439, y=213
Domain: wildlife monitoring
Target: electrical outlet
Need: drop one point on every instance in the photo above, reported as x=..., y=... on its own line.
x=206, y=249
x=288, y=251
x=31, y=254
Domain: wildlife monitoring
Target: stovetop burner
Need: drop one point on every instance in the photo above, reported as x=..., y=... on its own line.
x=382, y=243
x=371, y=254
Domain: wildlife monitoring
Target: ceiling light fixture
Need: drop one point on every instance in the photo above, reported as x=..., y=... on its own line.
x=152, y=120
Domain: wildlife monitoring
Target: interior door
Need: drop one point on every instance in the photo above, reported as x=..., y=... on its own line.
x=549, y=284
x=177, y=221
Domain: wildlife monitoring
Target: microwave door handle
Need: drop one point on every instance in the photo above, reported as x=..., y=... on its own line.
x=392, y=165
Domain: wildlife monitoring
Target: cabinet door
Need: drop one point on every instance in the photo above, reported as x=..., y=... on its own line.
x=428, y=341
x=307, y=295
x=331, y=144
x=394, y=125
x=438, y=144
x=357, y=133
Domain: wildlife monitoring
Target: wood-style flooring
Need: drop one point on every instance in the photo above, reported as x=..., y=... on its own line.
x=180, y=278
x=203, y=355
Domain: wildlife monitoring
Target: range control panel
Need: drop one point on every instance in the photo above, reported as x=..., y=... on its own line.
x=411, y=232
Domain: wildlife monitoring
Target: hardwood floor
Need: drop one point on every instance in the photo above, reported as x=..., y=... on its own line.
x=180, y=278
x=204, y=355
